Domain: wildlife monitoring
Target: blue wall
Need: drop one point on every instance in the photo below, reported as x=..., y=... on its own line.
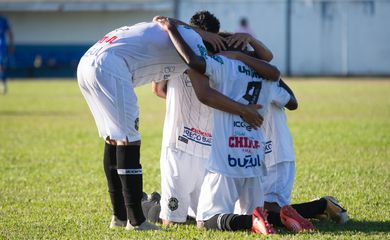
x=30, y=61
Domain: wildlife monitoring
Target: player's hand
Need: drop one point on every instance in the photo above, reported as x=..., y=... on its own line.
x=166, y=23
x=214, y=39
x=237, y=39
x=252, y=116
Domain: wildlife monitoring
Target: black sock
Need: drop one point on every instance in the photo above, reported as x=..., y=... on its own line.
x=113, y=182
x=274, y=219
x=311, y=209
x=130, y=173
x=229, y=222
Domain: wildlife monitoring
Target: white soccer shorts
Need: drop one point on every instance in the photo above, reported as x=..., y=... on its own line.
x=111, y=98
x=278, y=183
x=182, y=175
x=219, y=195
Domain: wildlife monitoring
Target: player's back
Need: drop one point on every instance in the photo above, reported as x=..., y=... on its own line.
x=237, y=149
x=142, y=42
x=188, y=122
x=146, y=50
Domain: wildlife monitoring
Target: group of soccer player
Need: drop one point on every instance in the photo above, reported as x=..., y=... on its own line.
x=227, y=156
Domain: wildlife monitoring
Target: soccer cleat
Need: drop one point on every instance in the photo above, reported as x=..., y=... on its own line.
x=116, y=222
x=145, y=226
x=144, y=197
x=293, y=221
x=154, y=213
x=334, y=211
x=260, y=223
x=155, y=197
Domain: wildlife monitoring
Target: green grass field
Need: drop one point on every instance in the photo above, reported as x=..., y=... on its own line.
x=52, y=183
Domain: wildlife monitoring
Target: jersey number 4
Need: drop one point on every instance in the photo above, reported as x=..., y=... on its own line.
x=252, y=93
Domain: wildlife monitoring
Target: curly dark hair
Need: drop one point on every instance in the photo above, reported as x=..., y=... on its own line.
x=205, y=21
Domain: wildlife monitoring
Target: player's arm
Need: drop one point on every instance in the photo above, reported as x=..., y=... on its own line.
x=263, y=68
x=292, y=103
x=203, y=91
x=10, y=36
x=260, y=50
x=214, y=39
x=186, y=53
x=215, y=99
x=160, y=88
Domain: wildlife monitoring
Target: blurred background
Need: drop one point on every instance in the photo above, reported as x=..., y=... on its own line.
x=307, y=37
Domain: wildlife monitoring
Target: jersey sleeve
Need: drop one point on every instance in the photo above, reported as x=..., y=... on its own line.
x=279, y=96
x=193, y=40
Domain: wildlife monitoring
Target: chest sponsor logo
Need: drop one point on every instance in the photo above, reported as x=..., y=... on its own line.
x=197, y=136
x=240, y=124
x=167, y=72
x=268, y=147
x=169, y=69
x=248, y=161
x=243, y=142
x=247, y=71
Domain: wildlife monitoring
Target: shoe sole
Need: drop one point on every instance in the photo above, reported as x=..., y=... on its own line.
x=261, y=218
x=293, y=221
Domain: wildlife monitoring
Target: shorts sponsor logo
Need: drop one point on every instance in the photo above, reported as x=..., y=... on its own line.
x=243, y=142
x=197, y=136
x=268, y=147
x=248, y=161
x=173, y=203
x=240, y=124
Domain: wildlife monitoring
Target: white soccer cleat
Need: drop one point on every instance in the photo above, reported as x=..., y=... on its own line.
x=145, y=226
x=116, y=222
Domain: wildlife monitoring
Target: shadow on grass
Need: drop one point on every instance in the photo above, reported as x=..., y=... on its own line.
x=368, y=227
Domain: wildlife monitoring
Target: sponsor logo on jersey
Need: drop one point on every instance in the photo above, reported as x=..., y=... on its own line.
x=248, y=71
x=243, y=142
x=197, y=136
x=217, y=58
x=203, y=51
x=240, y=124
x=268, y=147
x=186, y=81
x=167, y=72
x=183, y=139
x=248, y=161
x=169, y=69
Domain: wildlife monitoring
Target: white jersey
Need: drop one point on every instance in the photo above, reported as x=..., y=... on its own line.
x=188, y=122
x=279, y=144
x=237, y=150
x=147, y=52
